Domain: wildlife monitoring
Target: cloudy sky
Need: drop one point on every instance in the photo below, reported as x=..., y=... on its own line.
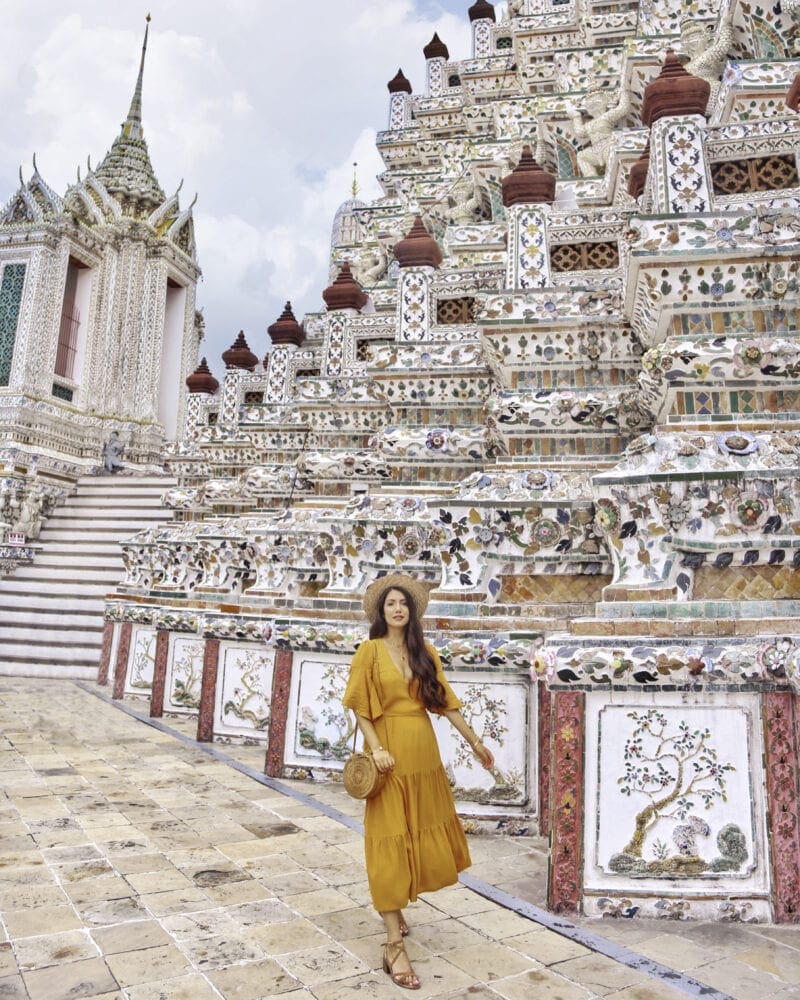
x=261, y=106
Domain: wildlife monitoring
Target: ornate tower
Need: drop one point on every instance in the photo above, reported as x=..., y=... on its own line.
x=98, y=329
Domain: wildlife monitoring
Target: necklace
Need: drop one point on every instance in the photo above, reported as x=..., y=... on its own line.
x=398, y=652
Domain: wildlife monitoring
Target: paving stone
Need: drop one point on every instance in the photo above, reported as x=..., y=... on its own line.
x=217, y=952
x=293, y=935
x=676, y=952
x=29, y=897
x=319, y=901
x=774, y=959
x=204, y=923
x=148, y=965
x=8, y=964
x=23, y=923
x=499, y=924
x=238, y=892
x=13, y=988
x=738, y=980
x=599, y=974
x=130, y=937
x=267, y=911
x=193, y=987
x=373, y=987
x=355, y=922
x=546, y=947
x=253, y=981
x=543, y=984
x=320, y=965
x=54, y=949
x=112, y=911
x=490, y=961
x=648, y=991
x=444, y=935
x=87, y=978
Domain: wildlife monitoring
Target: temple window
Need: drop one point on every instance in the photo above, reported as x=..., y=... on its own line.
x=453, y=312
x=504, y=43
x=584, y=256
x=763, y=173
x=11, y=286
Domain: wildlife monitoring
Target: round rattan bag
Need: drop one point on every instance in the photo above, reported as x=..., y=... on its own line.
x=361, y=777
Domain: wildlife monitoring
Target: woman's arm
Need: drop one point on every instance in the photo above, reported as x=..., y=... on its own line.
x=484, y=755
x=383, y=759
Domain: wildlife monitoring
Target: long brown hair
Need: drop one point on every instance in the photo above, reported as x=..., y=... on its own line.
x=420, y=660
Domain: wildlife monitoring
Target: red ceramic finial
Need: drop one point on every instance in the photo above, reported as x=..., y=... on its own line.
x=674, y=92
x=399, y=84
x=286, y=329
x=239, y=355
x=419, y=248
x=345, y=292
x=528, y=183
x=201, y=380
x=436, y=49
x=481, y=11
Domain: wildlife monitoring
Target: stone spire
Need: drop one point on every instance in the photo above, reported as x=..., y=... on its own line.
x=126, y=172
x=133, y=123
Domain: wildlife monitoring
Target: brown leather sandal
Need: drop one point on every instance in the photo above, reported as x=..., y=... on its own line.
x=404, y=928
x=407, y=980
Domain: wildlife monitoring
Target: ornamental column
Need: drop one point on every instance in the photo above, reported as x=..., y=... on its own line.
x=238, y=359
x=527, y=190
x=344, y=298
x=482, y=17
x=399, y=101
x=418, y=256
x=436, y=55
x=199, y=384
x=674, y=108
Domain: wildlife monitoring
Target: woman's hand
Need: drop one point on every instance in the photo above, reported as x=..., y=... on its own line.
x=383, y=760
x=484, y=755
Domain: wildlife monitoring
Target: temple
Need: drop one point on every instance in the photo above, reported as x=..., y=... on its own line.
x=555, y=376
x=97, y=324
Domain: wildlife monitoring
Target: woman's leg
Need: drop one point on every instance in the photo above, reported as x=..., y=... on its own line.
x=400, y=966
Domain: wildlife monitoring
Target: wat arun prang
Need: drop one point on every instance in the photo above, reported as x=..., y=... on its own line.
x=556, y=378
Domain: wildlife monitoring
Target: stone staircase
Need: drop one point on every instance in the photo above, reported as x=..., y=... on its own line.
x=51, y=612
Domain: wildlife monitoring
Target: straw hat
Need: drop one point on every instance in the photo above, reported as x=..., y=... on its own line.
x=373, y=595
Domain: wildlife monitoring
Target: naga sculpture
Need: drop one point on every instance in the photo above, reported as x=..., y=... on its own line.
x=599, y=130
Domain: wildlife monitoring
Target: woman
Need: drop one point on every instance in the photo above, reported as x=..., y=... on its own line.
x=414, y=841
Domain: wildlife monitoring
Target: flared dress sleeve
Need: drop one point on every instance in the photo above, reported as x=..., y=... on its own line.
x=361, y=695
x=451, y=701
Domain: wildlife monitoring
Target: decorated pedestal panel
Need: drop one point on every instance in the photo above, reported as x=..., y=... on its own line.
x=319, y=732
x=184, y=675
x=141, y=660
x=675, y=808
x=244, y=686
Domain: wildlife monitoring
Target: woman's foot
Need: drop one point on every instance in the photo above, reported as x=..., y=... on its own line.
x=404, y=929
x=397, y=966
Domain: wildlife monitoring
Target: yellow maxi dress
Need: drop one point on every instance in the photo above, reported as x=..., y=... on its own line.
x=413, y=839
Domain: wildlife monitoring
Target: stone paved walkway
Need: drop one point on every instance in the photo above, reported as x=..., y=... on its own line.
x=135, y=866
